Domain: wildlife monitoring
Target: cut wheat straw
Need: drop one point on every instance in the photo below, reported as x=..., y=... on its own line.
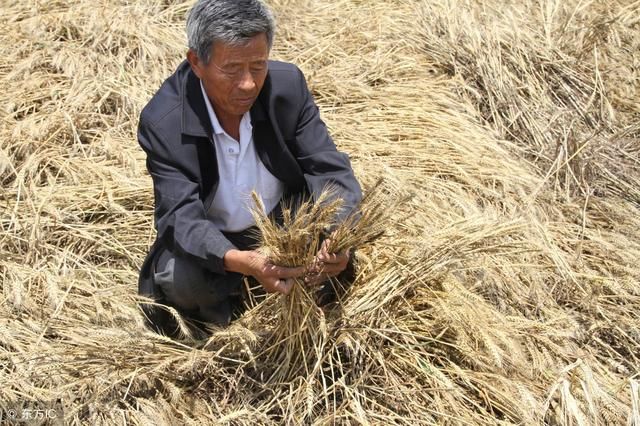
x=503, y=290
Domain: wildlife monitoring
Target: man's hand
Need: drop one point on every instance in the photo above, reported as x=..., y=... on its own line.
x=327, y=264
x=272, y=278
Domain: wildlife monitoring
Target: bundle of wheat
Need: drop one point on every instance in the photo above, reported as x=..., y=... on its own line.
x=300, y=334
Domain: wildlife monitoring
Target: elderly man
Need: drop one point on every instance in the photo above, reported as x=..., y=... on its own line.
x=227, y=122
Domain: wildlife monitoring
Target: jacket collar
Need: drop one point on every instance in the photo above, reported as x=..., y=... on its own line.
x=195, y=118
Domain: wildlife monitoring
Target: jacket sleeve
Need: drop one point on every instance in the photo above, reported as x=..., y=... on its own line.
x=316, y=153
x=180, y=216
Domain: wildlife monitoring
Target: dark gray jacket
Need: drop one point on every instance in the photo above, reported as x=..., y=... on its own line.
x=175, y=131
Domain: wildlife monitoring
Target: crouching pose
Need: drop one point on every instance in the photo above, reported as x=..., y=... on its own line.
x=230, y=121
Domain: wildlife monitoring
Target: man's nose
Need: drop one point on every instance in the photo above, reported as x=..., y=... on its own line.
x=247, y=82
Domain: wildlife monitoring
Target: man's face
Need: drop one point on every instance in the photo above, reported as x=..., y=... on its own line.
x=234, y=75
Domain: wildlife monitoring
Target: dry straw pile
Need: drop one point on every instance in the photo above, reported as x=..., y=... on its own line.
x=505, y=288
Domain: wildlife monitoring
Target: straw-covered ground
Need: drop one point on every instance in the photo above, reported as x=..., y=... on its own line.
x=505, y=289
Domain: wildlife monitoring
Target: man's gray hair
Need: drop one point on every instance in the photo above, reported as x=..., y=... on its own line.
x=227, y=21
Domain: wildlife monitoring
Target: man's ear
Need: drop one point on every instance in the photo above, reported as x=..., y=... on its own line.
x=195, y=62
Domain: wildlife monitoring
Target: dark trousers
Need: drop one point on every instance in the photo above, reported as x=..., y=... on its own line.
x=199, y=293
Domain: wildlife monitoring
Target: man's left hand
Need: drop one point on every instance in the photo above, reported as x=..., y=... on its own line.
x=327, y=264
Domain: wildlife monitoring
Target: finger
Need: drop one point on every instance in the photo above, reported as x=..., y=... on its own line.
x=270, y=286
x=282, y=272
x=315, y=280
x=315, y=267
x=326, y=257
x=337, y=258
x=332, y=258
x=324, y=249
x=340, y=265
x=280, y=286
x=285, y=286
x=333, y=269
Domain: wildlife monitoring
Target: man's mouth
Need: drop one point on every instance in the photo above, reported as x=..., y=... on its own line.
x=245, y=101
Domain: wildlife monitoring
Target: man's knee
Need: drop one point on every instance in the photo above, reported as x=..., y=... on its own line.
x=188, y=286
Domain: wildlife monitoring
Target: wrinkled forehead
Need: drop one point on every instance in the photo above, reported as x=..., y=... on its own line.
x=248, y=50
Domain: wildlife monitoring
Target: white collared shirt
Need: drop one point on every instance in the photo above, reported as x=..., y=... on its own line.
x=241, y=171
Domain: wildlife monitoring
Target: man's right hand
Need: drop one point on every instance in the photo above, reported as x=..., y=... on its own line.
x=273, y=278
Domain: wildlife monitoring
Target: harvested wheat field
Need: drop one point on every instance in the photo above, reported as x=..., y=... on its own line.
x=499, y=143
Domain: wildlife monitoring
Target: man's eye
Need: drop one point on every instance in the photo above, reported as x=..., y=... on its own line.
x=232, y=70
